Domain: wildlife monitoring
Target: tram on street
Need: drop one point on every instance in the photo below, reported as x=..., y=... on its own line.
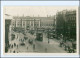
x=39, y=34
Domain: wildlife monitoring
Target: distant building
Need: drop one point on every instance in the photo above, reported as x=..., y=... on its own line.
x=32, y=23
x=66, y=24
x=8, y=19
x=25, y=22
x=71, y=24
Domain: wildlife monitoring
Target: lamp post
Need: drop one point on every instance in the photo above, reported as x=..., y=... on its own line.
x=48, y=36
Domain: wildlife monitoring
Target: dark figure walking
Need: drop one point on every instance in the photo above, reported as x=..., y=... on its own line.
x=9, y=45
x=33, y=46
x=12, y=46
x=17, y=46
x=14, y=51
x=48, y=41
x=60, y=44
x=27, y=48
x=69, y=49
x=73, y=50
x=45, y=49
x=65, y=48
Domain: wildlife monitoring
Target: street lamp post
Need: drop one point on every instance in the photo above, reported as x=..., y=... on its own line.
x=48, y=36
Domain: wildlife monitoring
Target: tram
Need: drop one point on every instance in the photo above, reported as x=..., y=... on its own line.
x=39, y=35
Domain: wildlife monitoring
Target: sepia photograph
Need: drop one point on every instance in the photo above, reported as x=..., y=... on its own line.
x=40, y=29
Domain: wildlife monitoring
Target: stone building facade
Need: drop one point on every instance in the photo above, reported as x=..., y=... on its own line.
x=66, y=24
x=71, y=24
x=32, y=23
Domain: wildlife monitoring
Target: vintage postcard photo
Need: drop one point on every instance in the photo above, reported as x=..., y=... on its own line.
x=40, y=29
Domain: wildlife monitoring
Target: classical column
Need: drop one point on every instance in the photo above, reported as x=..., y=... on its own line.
x=30, y=25
x=30, y=22
x=39, y=23
x=16, y=23
x=33, y=24
x=22, y=23
x=25, y=24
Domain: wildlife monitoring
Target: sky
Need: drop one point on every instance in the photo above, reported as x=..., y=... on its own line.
x=41, y=11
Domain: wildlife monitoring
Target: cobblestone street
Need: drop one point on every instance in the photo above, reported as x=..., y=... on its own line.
x=41, y=47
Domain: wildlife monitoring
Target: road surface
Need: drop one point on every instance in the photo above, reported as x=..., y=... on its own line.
x=40, y=46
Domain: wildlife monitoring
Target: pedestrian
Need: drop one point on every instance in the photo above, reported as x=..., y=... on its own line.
x=17, y=46
x=33, y=46
x=69, y=49
x=27, y=48
x=45, y=49
x=9, y=46
x=14, y=51
x=48, y=41
x=12, y=46
x=65, y=48
x=10, y=51
x=60, y=44
x=73, y=50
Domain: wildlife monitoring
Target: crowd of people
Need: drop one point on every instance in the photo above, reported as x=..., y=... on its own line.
x=13, y=46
